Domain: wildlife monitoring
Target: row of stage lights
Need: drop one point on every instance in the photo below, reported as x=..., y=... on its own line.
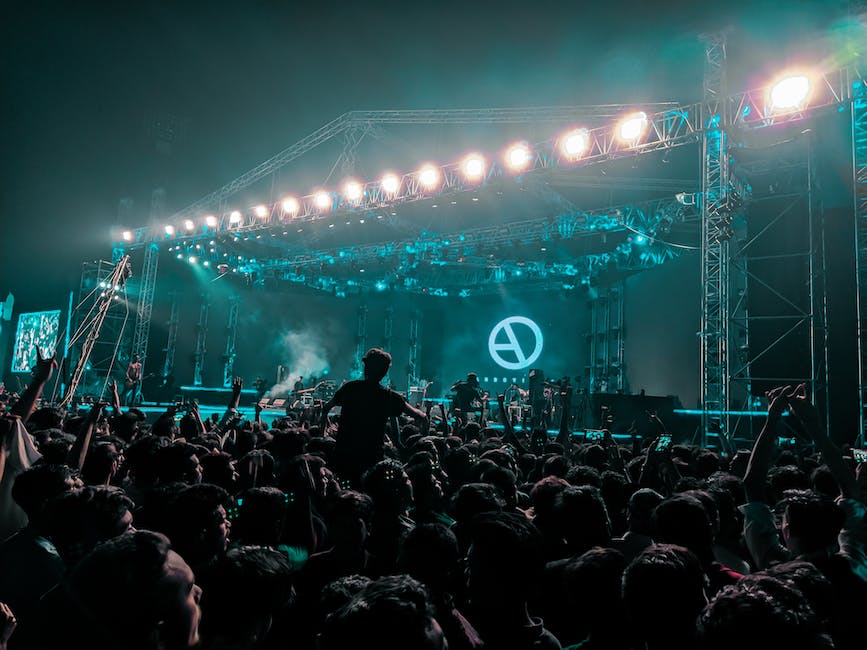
x=788, y=95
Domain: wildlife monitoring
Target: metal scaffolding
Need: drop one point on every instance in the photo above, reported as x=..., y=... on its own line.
x=715, y=223
x=171, y=337
x=606, y=372
x=147, y=289
x=201, y=341
x=859, y=166
x=412, y=367
x=387, y=334
x=360, y=342
x=231, y=335
x=94, y=309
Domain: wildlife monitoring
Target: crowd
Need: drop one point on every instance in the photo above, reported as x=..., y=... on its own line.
x=389, y=526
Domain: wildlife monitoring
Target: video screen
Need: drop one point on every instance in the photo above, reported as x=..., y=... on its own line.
x=35, y=329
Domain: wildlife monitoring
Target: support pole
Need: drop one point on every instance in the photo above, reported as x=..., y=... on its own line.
x=231, y=334
x=412, y=369
x=201, y=338
x=360, y=342
x=172, y=337
x=387, y=334
x=859, y=167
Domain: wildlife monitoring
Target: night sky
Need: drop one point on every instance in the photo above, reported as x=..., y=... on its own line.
x=82, y=81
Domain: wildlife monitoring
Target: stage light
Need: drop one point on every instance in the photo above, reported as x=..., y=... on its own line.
x=390, y=183
x=474, y=167
x=127, y=235
x=518, y=156
x=290, y=205
x=211, y=221
x=235, y=217
x=575, y=143
x=353, y=191
x=322, y=200
x=188, y=224
x=261, y=211
x=429, y=177
x=193, y=259
x=170, y=230
x=790, y=93
x=206, y=263
x=633, y=127
x=180, y=256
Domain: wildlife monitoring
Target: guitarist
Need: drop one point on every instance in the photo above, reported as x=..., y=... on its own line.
x=132, y=382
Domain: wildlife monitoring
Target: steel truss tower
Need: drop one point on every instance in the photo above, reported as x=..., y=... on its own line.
x=605, y=370
x=110, y=349
x=147, y=289
x=412, y=369
x=714, y=333
x=387, y=334
x=231, y=335
x=172, y=337
x=101, y=299
x=360, y=342
x=859, y=166
x=201, y=339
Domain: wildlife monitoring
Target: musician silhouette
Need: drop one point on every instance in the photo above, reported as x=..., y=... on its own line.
x=467, y=391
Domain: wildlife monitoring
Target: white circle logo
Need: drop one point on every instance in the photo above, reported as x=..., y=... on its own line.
x=511, y=343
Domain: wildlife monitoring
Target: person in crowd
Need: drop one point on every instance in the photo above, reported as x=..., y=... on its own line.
x=365, y=407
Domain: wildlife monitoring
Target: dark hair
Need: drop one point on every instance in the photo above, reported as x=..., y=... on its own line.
x=582, y=518
x=120, y=583
x=376, y=363
x=510, y=548
x=815, y=521
x=261, y=516
x=391, y=613
x=776, y=615
x=683, y=520
x=190, y=514
x=248, y=584
x=663, y=591
x=175, y=462
x=385, y=482
x=78, y=521
x=35, y=486
x=430, y=554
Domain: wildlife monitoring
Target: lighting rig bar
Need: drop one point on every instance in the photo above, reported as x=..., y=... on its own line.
x=359, y=119
x=477, y=256
x=647, y=133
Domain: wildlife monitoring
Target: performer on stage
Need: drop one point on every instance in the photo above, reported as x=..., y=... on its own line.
x=466, y=392
x=298, y=387
x=132, y=382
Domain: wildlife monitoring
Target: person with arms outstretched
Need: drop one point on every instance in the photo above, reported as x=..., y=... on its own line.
x=365, y=408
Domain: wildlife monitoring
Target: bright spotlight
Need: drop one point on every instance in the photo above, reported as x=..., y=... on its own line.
x=170, y=230
x=632, y=128
x=188, y=224
x=353, y=191
x=429, y=177
x=206, y=263
x=322, y=200
x=180, y=256
x=390, y=183
x=790, y=93
x=474, y=167
x=211, y=221
x=261, y=211
x=518, y=156
x=193, y=259
x=234, y=217
x=290, y=205
x=575, y=143
x=127, y=235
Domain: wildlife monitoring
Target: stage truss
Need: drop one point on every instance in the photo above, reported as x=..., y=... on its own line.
x=712, y=123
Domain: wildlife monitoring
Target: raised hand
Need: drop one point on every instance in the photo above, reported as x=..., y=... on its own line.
x=237, y=385
x=44, y=366
x=807, y=417
x=778, y=399
x=8, y=623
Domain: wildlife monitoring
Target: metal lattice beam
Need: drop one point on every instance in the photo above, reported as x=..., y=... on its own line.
x=201, y=339
x=715, y=223
x=147, y=289
x=231, y=335
x=859, y=166
x=172, y=336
